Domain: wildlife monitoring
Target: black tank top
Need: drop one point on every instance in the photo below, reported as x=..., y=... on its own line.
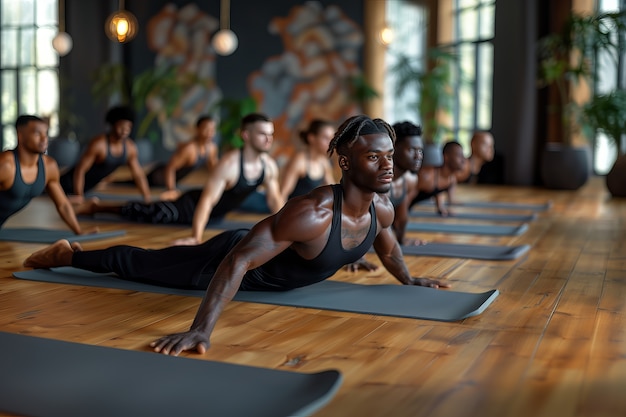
x=289, y=270
x=97, y=172
x=305, y=185
x=232, y=198
x=19, y=195
x=397, y=200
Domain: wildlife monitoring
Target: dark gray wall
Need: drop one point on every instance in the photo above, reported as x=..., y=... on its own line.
x=249, y=19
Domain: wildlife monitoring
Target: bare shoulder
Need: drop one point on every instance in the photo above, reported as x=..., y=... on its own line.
x=50, y=163
x=6, y=157
x=7, y=166
x=306, y=216
x=384, y=210
x=269, y=160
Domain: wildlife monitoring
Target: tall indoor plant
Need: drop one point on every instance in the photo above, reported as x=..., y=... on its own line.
x=433, y=81
x=566, y=59
x=606, y=113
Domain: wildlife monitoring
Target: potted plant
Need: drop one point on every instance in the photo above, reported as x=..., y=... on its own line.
x=565, y=60
x=606, y=113
x=434, y=87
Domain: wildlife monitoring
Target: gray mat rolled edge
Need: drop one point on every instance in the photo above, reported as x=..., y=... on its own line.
x=54, y=378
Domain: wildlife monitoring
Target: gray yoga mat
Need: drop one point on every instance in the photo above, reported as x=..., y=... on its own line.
x=472, y=229
x=497, y=205
x=386, y=300
x=34, y=235
x=455, y=250
x=53, y=378
x=476, y=216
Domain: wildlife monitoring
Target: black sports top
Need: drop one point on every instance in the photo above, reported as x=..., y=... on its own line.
x=289, y=270
x=397, y=200
x=232, y=198
x=19, y=195
x=96, y=173
x=305, y=185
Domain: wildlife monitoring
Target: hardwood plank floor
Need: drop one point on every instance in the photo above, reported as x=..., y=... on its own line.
x=552, y=344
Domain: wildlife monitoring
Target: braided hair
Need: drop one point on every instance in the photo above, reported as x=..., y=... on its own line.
x=355, y=126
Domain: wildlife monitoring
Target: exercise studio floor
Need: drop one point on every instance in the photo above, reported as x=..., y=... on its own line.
x=553, y=343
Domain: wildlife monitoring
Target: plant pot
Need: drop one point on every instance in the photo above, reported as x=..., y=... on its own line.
x=616, y=178
x=565, y=167
x=433, y=155
x=64, y=151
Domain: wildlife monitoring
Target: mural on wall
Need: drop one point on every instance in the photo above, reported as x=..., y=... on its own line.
x=310, y=78
x=180, y=38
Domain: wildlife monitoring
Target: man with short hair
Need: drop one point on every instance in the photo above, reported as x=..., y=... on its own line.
x=25, y=172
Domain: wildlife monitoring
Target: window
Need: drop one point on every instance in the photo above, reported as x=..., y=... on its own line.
x=472, y=39
x=466, y=27
x=408, y=22
x=612, y=76
x=29, y=78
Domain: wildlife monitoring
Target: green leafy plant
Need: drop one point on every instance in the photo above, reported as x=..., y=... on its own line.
x=360, y=90
x=155, y=92
x=607, y=113
x=433, y=82
x=231, y=112
x=566, y=59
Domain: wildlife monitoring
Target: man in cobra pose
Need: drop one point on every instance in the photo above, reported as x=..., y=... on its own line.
x=435, y=180
x=25, y=172
x=482, y=153
x=237, y=174
x=104, y=154
x=307, y=241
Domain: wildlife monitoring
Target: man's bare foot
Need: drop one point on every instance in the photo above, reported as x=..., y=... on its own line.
x=86, y=207
x=58, y=254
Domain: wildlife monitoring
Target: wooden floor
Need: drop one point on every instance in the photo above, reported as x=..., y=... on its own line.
x=552, y=344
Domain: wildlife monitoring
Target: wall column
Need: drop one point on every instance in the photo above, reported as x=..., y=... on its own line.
x=374, y=55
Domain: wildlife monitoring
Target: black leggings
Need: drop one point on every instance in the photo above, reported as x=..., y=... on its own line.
x=187, y=267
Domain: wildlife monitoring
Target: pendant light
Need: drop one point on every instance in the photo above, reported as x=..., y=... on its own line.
x=62, y=42
x=225, y=41
x=121, y=26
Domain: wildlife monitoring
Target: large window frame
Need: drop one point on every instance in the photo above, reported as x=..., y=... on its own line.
x=472, y=39
x=465, y=27
x=611, y=75
x=29, y=74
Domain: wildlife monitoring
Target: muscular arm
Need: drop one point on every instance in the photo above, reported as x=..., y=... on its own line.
x=56, y=193
x=139, y=176
x=295, y=168
x=294, y=224
x=275, y=200
x=388, y=250
x=96, y=150
x=184, y=156
x=225, y=173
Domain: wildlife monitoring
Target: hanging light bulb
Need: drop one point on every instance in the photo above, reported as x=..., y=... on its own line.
x=225, y=41
x=62, y=42
x=385, y=35
x=121, y=26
